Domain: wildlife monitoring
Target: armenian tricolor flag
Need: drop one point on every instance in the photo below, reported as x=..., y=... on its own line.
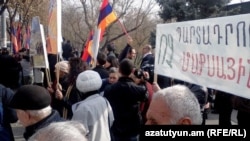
x=87, y=48
x=14, y=40
x=106, y=17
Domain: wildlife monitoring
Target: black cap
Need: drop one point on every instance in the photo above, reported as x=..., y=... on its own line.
x=31, y=97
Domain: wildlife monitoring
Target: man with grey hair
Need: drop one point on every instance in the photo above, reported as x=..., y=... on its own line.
x=147, y=55
x=175, y=105
x=32, y=104
x=61, y=131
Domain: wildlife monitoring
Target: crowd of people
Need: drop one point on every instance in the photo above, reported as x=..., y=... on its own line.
x=110, y=101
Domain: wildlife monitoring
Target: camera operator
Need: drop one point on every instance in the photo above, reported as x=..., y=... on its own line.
x=162, y=81
x=141, y=78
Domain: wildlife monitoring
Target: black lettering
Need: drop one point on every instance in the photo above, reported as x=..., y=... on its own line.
x=217, y=28
x=244, y=33
x=231, y=31
x=192, y=33
x=198, y=39
x=206, y=41
x=179, y=31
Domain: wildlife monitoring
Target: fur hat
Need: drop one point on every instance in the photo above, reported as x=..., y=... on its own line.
x=63, y=66
x=88, y=81
x=30, y=97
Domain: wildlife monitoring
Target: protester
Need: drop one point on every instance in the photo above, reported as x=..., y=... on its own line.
x=101, y=60
x=94, y=111
x=7, y=115
x=111, y=50
x=113, y=78
x=124, y=97
x=242, y=105
x=67, y=51
x=111, y=62
x=175, y=105
x=71, y=96
x=141, y=79
x=61, y=71
x=225, y=107
x=10, y=70
x=27, y=68
x=61, y=131
x=128, y=52
x=147, y=55
x=148, y=66
x=32, y=104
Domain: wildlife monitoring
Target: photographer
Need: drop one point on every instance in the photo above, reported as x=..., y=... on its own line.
x=162, y=81
x=124, y=97
x=141, y=78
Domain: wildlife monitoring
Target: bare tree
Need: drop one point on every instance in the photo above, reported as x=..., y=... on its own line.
x=131, y=14
x=23, y=11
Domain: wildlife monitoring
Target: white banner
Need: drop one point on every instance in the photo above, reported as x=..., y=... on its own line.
x=46, y=60
x=213, y=52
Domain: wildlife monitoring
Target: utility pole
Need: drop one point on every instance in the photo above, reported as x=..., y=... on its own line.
x=3, y=29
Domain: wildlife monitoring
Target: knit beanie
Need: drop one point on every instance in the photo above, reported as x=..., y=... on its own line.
x=88, y=81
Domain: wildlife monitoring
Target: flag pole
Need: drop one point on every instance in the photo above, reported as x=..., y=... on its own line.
x=123, y=28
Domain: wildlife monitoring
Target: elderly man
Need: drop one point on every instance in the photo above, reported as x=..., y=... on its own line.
x=175, y=105
x=61, y=131
x=32, y=104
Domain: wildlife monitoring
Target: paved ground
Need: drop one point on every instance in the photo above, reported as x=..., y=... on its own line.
x=212, y=120
x=18, y=131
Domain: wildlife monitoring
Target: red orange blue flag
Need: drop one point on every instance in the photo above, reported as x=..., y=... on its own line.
x=14, y=40
x=86, y=53
x=106, y=17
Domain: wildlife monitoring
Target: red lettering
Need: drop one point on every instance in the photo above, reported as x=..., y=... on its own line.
x=209, y=67
x=231, y=67
x=194, y=63
x=202, y=63
x=220, y=68
x=186, y=57
x=242, y=70
x=248, y=81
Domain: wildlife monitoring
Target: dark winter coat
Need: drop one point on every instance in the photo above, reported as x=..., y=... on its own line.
x=7, y=115
x=124, y=97
x=102, y=71
x=32, y=129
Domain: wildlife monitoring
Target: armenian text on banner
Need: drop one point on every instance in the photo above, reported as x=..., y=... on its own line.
x=212, y=52
x=54, y=27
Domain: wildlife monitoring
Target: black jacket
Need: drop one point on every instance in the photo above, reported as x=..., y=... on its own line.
x=32, y=129
x=9, y=72
x=124, y=52
x=146, y=60
x=102, y=71
x=124, y=97
x=7, y=115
